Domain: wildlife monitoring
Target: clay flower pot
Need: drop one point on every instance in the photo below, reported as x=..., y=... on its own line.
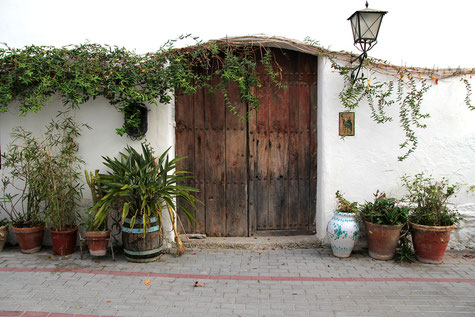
x=30, y=239
x=382, y=240
x=64, y=242
x=3, y=236
x=430, y=242
x=97, y=242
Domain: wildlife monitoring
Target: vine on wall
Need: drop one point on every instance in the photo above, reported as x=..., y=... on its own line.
x=34, y=74
x=76, y=74
x=404, y=90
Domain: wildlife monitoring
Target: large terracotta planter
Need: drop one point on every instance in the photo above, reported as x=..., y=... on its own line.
x=430, y=243
x=342, y=232
x=30, y=239
x=3, y=236
x=382, y=240
x=97, y=242
x=64, y=242
x=138, y=248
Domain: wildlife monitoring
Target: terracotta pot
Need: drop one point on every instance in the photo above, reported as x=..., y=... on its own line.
x=30, y=239
x=382, y=240
x=430, y=242
x=97, y=242
x=3, y=236
x=64, y=242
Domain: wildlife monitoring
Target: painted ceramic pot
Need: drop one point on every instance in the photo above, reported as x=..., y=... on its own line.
x=342, y=232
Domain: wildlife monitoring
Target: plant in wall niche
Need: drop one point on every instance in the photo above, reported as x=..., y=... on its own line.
x=34, y=74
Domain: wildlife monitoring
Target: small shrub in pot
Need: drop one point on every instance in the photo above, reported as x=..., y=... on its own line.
x=384, y=220
x=431, y=218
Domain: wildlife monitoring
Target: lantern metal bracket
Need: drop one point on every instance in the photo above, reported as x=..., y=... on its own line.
x=357, y=69
x=362, y=41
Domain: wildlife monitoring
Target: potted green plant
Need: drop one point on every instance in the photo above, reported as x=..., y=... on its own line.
x=383, y=220
x=22, y=199
x=343, y=229
x=143, y=186
x=97, y=236
x=431, y=218
x=62, y=187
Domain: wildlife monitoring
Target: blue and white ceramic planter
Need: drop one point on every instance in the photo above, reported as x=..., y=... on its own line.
x=342, y=232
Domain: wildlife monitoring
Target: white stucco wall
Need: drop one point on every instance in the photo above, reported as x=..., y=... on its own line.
x=101, y=139
x=361, y=164
x=357, y=165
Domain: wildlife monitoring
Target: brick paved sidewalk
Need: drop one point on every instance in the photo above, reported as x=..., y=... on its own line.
x=302, y=282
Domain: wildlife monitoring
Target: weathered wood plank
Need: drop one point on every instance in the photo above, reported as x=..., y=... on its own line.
x=293, y=193
x=215, y=164
x=185, y=146
x=199, y=158
x=278, y=153
x=313, y=149
x=252, y=150
x=261, y=160
x=236, y=168
x=304, y=155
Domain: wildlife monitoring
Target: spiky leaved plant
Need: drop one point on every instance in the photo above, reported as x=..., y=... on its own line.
x=141, y=185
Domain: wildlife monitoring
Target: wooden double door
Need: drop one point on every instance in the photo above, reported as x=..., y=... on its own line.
x=256, y=176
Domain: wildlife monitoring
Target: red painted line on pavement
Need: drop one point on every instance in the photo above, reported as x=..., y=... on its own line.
x=43, y=314
x=242, y=277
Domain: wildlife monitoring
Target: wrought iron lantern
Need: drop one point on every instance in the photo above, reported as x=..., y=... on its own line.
x=365, y=25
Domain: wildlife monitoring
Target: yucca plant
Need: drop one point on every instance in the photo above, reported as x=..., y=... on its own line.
x=141, y=184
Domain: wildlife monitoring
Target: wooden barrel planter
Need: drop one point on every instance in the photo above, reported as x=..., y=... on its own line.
x=138, y=248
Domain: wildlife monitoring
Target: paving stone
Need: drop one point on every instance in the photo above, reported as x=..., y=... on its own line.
x=355, y=294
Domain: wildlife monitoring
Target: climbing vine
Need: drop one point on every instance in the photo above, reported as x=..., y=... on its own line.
x=76, y=74
x=404, y=90
x=468, y=96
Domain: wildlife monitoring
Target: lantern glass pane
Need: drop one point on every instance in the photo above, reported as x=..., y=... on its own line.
x=354, y=27
x=370, y=23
